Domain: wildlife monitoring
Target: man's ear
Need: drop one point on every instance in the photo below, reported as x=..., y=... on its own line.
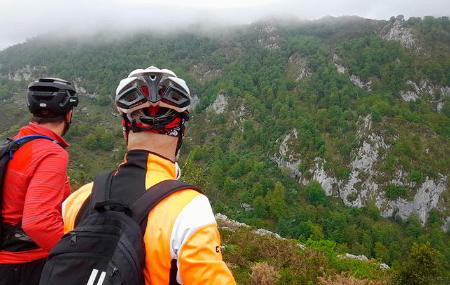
x=69, y=116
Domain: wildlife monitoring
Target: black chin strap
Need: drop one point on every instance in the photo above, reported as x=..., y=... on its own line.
x=135, y=128
x=66, y=127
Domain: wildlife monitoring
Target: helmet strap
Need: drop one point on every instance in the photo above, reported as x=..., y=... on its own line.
x=133, y=126
x=67, y=122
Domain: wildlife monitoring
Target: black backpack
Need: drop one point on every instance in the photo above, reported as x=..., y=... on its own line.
x=12, y=238
x=106, y=247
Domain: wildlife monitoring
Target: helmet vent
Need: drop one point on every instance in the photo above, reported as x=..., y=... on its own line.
x=44, y=89
x=130, y=97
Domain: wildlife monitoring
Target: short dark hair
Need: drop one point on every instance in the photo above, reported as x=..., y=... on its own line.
x=44, y=120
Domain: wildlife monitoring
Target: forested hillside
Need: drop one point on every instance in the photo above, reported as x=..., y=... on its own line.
x=334, y=133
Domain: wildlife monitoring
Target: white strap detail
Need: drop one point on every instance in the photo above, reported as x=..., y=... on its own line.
x=102, y=278
x=92, y=277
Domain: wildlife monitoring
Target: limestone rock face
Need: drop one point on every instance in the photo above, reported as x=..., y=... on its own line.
x=240, y=116
x=338, y=63
x=81, y=90
x=219, y=105
x=361, y=84
x=268, y=37
x=320, y=175
x=426, y=198
x=194, y=101
x=27, y=73
x=286, y=158
x=298, y=68
x=204, y=73
x=424, y=89
x=396, y=31
x=363, y=184
x=446, y=226
x=353, y=78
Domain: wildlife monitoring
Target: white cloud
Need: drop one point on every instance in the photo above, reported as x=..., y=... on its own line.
x=22, y=19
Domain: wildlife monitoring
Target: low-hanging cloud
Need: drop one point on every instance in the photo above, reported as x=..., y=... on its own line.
x=22, y=19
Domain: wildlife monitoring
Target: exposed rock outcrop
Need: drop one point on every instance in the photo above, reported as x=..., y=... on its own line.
x=204, y=73
x=435, y=94
x=446, y=226
x=361, y=84
x=426, y=198
x=240, y=116
x=395, y=30
x=81, y=90
x=363, y=183
x=319, y=174
x=286, y=157
x=363, y=171
x=297, y=67
x=268, y=37
x=353, y=78
x=219, y=105
x=27, y=73
x=194, y=101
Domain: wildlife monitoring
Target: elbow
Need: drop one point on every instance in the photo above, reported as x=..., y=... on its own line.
x=33, y=229
x=39, y=233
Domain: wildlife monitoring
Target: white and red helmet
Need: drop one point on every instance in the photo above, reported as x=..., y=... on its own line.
x=153, y=99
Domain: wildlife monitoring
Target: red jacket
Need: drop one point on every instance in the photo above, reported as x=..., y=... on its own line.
x=35, y=186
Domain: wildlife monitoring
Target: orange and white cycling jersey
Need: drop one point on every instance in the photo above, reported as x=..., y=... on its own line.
x=182, y=242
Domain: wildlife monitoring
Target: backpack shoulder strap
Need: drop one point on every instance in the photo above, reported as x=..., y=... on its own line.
x=26, y=139
x=154, y=195
x=10, y=145
x=100, y=193
x=102, y=187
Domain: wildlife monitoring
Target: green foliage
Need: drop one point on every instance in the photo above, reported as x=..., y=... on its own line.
x=423, y=266
x=8, y=88
x=316, y=195
x=396, y=191
x=99, y=140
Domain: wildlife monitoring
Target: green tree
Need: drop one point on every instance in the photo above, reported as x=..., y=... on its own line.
x=315, y=193
x=276, y=202
x=424, y=266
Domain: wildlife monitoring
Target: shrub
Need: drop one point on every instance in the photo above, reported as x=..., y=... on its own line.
x=343, y=279
x=395, y=191
x=264, y=274
x=424, y=266
x=316, y=195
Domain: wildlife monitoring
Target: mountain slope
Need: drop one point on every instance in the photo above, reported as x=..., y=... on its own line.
x=313, y=130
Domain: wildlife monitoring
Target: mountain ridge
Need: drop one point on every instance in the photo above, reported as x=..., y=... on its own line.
x=293, y=121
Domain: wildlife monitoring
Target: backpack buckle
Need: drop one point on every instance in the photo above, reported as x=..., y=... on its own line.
x=111, y=205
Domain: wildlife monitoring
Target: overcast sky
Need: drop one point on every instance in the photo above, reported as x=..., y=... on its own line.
x=22, y=19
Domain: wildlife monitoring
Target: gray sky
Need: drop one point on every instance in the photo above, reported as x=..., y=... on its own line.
x=22, y=19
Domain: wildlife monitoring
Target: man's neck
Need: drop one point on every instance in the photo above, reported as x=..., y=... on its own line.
x=160, y=144
x=57, y=128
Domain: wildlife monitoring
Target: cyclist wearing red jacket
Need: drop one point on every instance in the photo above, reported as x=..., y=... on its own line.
x=36, y=184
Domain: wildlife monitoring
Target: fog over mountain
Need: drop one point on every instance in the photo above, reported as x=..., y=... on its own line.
x=23, y=19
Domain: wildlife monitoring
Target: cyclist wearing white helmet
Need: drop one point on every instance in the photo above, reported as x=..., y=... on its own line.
x=182, y=242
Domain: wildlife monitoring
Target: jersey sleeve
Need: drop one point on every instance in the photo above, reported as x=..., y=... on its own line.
x=42, y=220
x=72, y=205
x=195, y=243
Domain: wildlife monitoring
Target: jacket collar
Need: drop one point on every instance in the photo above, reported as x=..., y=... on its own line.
x=36, y=129
x=157, y=167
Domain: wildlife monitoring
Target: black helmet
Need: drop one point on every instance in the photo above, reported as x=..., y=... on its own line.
x=51, y=97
